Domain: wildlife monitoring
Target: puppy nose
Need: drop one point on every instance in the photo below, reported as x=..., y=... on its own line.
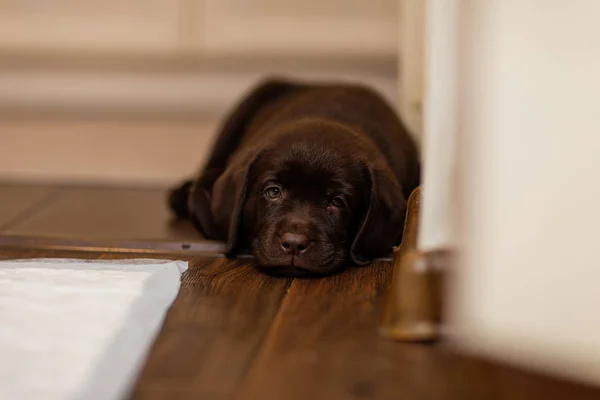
x=294, y=243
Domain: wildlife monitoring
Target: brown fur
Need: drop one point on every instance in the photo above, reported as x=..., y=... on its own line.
x=313, y=143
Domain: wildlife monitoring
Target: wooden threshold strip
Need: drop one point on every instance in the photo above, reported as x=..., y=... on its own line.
x=204, y=248
x=181, y=248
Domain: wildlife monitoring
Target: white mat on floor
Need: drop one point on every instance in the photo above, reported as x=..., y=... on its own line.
x=77, y=329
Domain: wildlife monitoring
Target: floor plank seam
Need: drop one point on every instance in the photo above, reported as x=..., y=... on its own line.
x=46, y=201
x=260, y=345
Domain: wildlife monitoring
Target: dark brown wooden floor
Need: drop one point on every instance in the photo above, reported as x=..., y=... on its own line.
x=235, y=333
x=89, y=212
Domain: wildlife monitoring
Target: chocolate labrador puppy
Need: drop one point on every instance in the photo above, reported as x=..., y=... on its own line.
x=306, y=177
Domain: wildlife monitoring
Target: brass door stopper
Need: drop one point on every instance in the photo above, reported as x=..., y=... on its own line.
x=413, y=305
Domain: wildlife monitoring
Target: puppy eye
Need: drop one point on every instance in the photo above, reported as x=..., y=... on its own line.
x=273, y=192
x=337, y=202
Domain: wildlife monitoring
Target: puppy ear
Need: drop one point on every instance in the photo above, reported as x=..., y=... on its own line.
x=227, y=142
x=228, y=197
x=383, y=223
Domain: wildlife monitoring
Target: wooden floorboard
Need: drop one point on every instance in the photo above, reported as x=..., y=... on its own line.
x=324, y=345
x=212, y=332
x=18, y=202
x=235, y=333
x=324, y=342
x=107, y=213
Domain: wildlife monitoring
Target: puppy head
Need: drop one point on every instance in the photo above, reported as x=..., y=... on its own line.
x=310, y=201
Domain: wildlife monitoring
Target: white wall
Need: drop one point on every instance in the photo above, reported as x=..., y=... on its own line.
x=411, y=59
x=528, y=282
x=440, y=21
x=427, y=78
x=174, y=65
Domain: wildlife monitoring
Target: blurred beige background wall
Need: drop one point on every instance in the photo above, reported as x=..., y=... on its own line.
x=508, y=132
x=528, y=282
x=131, y=92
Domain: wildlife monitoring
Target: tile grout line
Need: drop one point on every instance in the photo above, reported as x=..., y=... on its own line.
x=47, y=200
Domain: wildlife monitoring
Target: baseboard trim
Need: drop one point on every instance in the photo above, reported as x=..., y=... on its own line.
x=201, y=87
